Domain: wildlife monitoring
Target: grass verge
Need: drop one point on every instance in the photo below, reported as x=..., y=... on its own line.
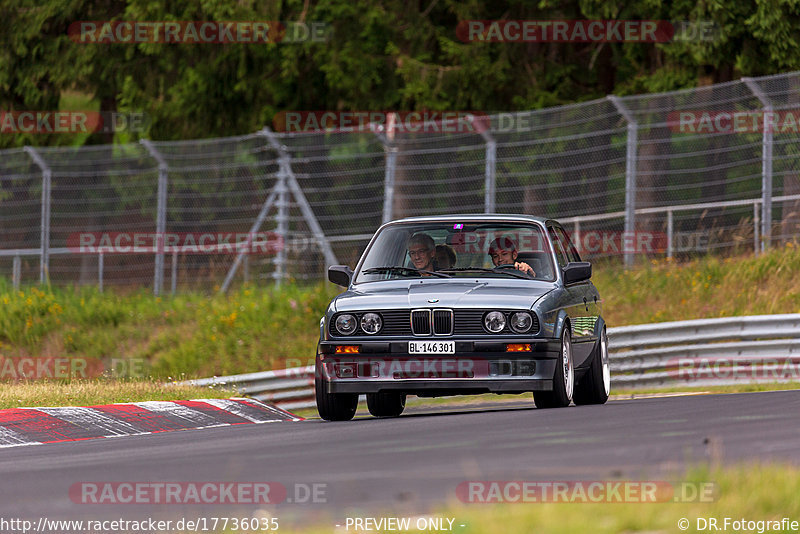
x=704, y=288
x=91, y=392
x=753, y=492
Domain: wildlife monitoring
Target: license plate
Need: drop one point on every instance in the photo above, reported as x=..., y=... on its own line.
x=431, y=347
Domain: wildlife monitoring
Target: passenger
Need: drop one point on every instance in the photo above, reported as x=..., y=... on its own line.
x=504, y=252
x=445, y=257
x=422, y=251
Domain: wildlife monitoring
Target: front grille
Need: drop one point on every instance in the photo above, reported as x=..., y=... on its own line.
x=442, y=322
x=470, y=322
x=395, y=323
x=445, y=322
x=421, y=322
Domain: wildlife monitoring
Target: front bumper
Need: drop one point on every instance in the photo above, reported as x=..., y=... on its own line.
x=478, y=366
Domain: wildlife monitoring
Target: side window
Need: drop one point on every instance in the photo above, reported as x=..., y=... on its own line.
x=572, y=253
x=558, y=247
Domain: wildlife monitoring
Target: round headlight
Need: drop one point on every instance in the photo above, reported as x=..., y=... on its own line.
x=346, y=324
x=494, y=322
x=521, y=322
x=371, y=323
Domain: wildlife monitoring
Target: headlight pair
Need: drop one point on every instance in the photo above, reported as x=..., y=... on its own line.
x=347, y=323
x=520, y=322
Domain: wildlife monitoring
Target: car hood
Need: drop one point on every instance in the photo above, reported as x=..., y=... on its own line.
x=514, y=294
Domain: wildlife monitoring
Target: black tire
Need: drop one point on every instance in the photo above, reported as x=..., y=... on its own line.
x=333, y=406
x=563, y=378
x=386, y=404
x=595, y=384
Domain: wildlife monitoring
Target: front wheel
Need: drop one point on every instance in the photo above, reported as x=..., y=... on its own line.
x=563, y=378
x=333, y=406
x=386, y=404
x=596, y=383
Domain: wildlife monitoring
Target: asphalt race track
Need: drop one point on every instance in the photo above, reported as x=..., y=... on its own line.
x=413, y=463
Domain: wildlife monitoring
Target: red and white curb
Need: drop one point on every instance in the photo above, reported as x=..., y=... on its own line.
x=34, y=426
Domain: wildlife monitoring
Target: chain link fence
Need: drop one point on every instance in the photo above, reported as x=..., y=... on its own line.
x=712, y=169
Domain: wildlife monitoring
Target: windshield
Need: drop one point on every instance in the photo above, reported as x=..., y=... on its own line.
x=458, y=249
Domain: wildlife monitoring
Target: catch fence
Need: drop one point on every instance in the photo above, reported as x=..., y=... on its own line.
x=693, y=171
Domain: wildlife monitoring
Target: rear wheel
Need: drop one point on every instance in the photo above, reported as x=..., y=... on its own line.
x=386, y=404
x=563, y=378
x=333, y=406
x=596, y=383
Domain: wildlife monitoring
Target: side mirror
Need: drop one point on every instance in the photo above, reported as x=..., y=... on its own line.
x=340, y=275
x=577, y=271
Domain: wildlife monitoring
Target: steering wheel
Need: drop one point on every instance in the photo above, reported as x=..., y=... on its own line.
x=512, y=266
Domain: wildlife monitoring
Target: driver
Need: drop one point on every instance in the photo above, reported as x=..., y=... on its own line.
x=422, y=251
x=504, y=252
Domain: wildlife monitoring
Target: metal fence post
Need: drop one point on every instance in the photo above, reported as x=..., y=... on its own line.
x=766, y=163
x=390, y=149
x=669, y=233
x=16, y=272
x=490, y=182
x=756, y=238
x=281, y=202
x=630, y=171
x=161, y=214
x=290, y=180
x=174, y=274
x=100, y=268
x=44, y=240
x=282, y=219
x=490, y=171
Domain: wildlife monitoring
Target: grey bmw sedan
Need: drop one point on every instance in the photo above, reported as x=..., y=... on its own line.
x=463, y=304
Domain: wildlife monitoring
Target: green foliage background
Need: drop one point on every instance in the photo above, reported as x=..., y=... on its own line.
x=388, y=54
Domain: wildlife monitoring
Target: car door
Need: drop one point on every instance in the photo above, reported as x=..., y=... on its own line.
x=580, y=298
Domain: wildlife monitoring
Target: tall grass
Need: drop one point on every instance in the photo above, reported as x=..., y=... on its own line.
x=92, y=392
x=705, y=288
x=191, y=334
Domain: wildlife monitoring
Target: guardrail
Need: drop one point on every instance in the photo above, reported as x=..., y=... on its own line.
x=702, y=352
x=730, y=350
x=288, y=388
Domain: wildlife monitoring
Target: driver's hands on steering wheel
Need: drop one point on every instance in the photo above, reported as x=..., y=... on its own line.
x=524, y=267
x=520, y=266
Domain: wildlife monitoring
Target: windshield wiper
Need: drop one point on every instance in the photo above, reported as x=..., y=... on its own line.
x=507, y=271
x=395, y=269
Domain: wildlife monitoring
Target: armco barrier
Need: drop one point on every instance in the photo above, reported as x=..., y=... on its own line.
x=287, y=388
x=703, y=352
x=730, y=350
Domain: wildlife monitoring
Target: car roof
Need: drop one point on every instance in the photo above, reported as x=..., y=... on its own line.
x=488, y=217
